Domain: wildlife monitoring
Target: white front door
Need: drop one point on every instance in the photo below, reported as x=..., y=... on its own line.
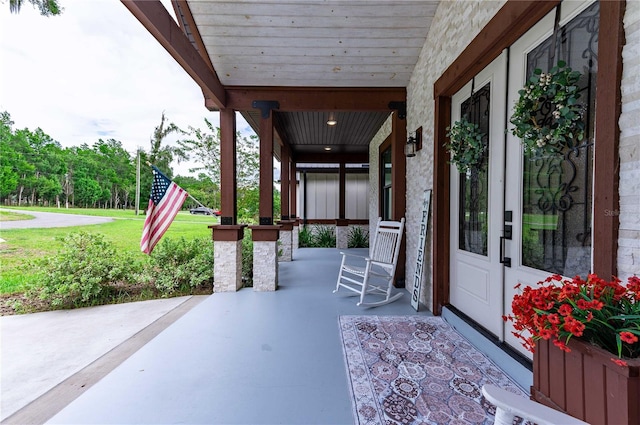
x=550, y=198
x=477, y=200
x=518, y=219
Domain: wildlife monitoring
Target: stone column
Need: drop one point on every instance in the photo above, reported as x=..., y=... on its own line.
x=285, y=241
x=227, y=257
x=342, y=233
x=265, y=257
x=295, y=241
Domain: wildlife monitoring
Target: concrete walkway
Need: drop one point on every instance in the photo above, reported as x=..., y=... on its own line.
x=47, y=219
x=48, y=359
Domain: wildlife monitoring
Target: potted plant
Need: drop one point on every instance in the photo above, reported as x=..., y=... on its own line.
x=584, y=336
x=465, y=145
x=548, y=116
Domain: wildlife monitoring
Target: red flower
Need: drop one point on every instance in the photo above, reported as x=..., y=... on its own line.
x=619, y=362
x=628, y=337
x=557, y=309
x=561, y=345
x=565, y=309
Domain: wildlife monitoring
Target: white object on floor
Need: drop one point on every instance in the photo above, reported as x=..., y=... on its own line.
x=509, y=405
x=374, y=274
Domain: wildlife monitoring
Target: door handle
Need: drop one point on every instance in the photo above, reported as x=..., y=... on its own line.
x=504, y=260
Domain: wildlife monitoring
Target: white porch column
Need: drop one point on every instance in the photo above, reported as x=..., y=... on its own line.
x=285, y=241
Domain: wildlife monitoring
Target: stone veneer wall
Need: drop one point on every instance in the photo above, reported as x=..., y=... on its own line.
x=227, y=266
x=265, y=265
x=374, y=174
x=447, y=39
x=629, y=231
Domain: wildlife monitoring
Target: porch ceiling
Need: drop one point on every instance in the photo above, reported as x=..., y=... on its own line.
x=311, y=44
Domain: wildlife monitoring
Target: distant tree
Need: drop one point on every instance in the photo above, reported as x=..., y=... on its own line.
x=46, y=7
x=162, y=155
x=204, y=149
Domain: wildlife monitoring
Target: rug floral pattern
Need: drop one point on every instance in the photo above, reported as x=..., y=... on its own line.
x=416, y=370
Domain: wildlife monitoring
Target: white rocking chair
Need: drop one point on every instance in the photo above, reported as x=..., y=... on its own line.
x=509, y=405
x=374, y=274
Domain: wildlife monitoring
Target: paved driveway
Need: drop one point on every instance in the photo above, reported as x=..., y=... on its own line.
x=46, y=219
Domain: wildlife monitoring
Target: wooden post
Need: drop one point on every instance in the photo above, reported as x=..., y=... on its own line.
x=228, y=187
x=266, y=170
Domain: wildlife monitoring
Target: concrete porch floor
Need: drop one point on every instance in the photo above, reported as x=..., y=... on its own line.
x=244, y=358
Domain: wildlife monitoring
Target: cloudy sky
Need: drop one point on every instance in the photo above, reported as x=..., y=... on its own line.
x=93, y=72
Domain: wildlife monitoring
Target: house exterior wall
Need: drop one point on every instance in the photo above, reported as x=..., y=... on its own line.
x=629, y=233
x=321, y=196
x=374, y=176
x=437, y=54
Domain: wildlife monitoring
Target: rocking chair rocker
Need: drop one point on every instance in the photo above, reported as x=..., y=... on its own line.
x=374, y=274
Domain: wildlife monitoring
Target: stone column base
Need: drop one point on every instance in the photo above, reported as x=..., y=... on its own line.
x=227, y=257
x=342, y=234
x=265, y=257
x=285, y=252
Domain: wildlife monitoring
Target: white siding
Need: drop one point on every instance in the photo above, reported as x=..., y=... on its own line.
x=357, y=198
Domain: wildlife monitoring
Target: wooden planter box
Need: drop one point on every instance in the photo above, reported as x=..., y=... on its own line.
x=586, y=384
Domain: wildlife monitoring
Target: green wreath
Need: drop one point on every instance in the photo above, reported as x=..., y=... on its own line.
x=557, y=92
x=465, y=145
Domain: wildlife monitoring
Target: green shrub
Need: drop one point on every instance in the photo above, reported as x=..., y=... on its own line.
x=324, y=236
x=82, y=272
x=305, y=238
x=358, y=238
x=181, y=264
x=247, y=259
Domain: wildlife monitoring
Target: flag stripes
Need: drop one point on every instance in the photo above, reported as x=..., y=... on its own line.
x=164, y=203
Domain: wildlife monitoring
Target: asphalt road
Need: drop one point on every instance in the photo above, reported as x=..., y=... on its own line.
x=46, y=219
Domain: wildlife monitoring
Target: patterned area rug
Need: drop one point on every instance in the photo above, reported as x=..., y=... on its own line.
x=416, y=370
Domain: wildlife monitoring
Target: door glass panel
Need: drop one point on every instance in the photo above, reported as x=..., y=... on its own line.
x=474, y=184
x=557, y=189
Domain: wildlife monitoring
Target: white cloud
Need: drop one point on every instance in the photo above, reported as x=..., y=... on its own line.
x=93, y=72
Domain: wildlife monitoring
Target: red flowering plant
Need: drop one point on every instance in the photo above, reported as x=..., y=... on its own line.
x=605, y=313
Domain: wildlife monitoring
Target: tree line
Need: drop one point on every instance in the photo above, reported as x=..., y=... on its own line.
x=36, y=170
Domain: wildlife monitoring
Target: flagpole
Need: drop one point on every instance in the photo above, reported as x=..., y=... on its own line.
x=188, y=194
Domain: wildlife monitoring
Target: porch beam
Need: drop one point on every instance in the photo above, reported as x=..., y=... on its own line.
x=317, y=99
x=606, y=196
x=157, y=20
x=325, y=158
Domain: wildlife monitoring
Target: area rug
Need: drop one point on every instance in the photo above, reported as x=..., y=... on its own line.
x=416, y=370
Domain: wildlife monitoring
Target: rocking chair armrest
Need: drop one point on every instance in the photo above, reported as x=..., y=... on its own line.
x=362, y=257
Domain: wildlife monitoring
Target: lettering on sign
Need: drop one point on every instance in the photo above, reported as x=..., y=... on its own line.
x=422, y=240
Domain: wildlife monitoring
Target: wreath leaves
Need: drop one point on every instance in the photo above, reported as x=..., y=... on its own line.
x=548, y=117
x=465, y=145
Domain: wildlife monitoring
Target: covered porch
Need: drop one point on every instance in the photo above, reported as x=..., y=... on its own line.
x=250, y=357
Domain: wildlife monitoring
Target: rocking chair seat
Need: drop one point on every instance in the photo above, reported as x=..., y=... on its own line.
x=374, y=274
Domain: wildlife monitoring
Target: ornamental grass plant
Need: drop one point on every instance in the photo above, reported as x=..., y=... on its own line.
x=605, y=313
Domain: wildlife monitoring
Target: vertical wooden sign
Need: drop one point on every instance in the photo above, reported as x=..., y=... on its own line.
x=422, y=239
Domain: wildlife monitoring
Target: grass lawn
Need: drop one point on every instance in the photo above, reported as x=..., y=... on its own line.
x=21, y=246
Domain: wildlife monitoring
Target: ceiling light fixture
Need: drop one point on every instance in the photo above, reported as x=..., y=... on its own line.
x=327, y=148
x=332, y=119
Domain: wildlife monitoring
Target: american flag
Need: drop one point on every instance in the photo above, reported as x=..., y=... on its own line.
x=164, y=203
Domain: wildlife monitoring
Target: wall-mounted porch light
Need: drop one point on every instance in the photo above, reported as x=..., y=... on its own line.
x=414, y=143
